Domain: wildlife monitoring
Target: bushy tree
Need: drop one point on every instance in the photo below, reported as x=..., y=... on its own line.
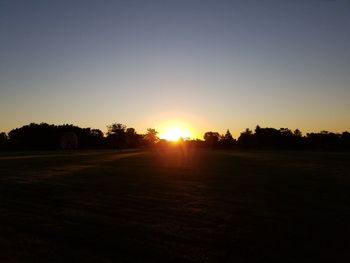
x=227, y=141
x=246, y=139
x=116, y=135
x=132, y=138
x=151, y=137
x=211, y=139
x=44, y=136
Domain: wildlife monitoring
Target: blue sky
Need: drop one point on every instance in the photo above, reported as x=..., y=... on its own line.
x=210, y=65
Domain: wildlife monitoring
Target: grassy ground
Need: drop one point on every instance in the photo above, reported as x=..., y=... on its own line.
x=175, y=205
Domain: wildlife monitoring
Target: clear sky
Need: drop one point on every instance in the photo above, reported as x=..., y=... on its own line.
x=208, y=65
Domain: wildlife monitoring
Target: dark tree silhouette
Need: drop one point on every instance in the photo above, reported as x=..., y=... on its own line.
x=151, y=137
x=267, y=137
x=3, y=141
x=211, y=139
x=116, y=135
x=3, y=136
x=45, y=136
x=133, y=139
x=323, y=141
x=35, y=136
x=345, y=140
x=227, y=141
x=246, y=139
x=297, y=133
x=96, y=139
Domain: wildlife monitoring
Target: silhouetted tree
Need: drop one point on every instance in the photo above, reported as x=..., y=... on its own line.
x=44, y=136
x=116, y=135
x=151, y=137
x=212, y=139
x=96, y=139
x=345, y=140
x=3, y=141
x=267, y=137
x=35, y=136
x=87, y=138
x=246, y=139
x=286, y=138
x=297, y=133
x=3, y=136
x=227, y=141
x=132, y=138
x=297, y=140
x=324, y=140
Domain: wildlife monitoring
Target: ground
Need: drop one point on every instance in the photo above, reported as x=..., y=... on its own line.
x=174, y=205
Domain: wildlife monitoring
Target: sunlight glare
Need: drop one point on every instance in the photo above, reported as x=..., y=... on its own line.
x=175, y=134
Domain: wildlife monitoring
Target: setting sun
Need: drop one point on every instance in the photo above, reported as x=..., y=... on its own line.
x=175, y=133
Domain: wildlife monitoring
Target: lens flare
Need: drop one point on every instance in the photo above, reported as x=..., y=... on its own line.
x=175, y=133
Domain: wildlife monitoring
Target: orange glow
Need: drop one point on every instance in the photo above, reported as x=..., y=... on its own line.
x=175, y=133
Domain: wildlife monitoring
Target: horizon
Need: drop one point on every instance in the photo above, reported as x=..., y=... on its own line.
x=174, y=133
x=201, y=65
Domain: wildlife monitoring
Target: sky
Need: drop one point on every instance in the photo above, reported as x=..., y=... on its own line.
x=204, y=65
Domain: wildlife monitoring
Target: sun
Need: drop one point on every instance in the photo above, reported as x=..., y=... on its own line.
x=175, y=133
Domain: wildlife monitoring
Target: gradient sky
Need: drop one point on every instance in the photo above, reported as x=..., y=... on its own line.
x=209, y=65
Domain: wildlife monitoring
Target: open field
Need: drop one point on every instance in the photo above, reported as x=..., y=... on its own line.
x=177, y=205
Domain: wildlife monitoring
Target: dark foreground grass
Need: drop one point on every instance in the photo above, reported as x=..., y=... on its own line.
x=175, y=205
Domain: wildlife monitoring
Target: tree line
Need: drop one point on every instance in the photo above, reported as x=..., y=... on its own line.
x=283, y=138
x=45, y=136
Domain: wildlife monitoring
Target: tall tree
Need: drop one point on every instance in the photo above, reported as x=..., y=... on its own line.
x=227, y=140
x=211, y=138
x=151, y=136
x=116, y=135
x=131, y=138
x=246, y=139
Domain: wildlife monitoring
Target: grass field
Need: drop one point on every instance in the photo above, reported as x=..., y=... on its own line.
x=175, y=205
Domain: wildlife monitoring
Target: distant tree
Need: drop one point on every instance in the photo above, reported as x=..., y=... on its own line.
x=96, y=133
x=3, y=137
x=345, y=140
x=116, y=128
x=297, y=133
x=248, y=131
x=116, y=135
x=196, y=143
x=285, y=139
x=227, y=140
x=212, y=139
x=285, y=132
x=132, y=138
x=297, y=140
x=3, y=140
x=44, y=136
x=94, y=138
x=151, y=137
x=131, y=131
x=257, y=129
x=246, y=139
x=324, y=140
x=35, y=136
x=265, y=137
